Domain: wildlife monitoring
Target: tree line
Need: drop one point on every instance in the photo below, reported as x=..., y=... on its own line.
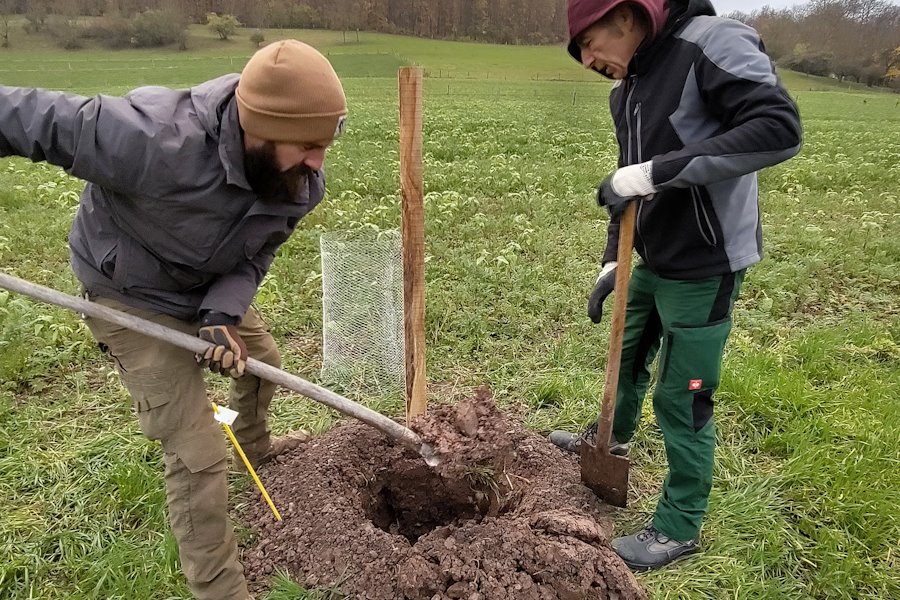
x=856, y=40
x=852, y=40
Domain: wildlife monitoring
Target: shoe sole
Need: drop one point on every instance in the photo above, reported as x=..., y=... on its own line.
x=577, y=451
x=644, y=568
x=574, y=449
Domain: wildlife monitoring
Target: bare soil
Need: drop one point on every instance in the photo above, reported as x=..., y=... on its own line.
x=504, y=516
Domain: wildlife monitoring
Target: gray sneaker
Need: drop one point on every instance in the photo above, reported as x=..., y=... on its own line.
x=649, y=549
x=570, y=442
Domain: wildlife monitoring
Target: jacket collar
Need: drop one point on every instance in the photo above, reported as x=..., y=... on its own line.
x=231, y=146
x=216, y=109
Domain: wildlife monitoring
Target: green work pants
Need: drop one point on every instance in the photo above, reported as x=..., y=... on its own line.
x=168, y=393
x=687, y=322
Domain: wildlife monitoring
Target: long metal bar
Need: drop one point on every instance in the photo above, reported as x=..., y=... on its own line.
x=312, y=391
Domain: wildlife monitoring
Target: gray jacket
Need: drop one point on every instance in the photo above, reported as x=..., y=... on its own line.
x=703, y=103
x=167, y=220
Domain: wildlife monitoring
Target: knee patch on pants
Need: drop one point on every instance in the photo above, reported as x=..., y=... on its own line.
x=702, y=409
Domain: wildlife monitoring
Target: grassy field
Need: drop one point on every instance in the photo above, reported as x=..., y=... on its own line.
x=808, y=468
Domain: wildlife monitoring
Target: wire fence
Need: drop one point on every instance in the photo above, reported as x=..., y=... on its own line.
x=362, y=311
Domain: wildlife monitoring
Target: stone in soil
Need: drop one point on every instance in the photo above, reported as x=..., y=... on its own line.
x=504, y=516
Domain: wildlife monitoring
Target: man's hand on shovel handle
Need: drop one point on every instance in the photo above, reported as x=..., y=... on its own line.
x=625, y=184
x=229, y=355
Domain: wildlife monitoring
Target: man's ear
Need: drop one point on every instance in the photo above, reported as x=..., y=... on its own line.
x=624, y=16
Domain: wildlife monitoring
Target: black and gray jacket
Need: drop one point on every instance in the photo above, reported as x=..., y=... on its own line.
x=167, y=221
x=701, y=101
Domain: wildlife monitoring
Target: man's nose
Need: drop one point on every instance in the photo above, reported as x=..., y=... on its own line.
x=587, y=58
x=315, y=159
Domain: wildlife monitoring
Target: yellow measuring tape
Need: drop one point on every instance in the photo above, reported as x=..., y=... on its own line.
x=243, y=456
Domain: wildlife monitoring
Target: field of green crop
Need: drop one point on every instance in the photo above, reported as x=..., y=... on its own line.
x=808, y=467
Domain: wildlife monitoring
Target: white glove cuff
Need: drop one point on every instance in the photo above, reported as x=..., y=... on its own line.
x=607, y=269
x=634, y=180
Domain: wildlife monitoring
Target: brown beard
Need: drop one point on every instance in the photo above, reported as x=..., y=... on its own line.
x=270, y=183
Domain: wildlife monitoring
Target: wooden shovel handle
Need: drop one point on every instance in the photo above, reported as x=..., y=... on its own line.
x=617, y=327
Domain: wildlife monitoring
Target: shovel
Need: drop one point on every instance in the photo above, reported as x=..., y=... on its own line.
x=605, y=473
x=390, y=428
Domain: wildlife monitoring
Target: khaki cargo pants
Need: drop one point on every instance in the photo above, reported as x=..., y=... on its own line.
x=169, y=397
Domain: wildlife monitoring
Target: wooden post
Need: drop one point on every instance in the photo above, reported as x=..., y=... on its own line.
x=412, y=193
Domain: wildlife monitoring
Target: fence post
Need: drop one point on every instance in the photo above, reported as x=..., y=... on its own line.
x=413, y=229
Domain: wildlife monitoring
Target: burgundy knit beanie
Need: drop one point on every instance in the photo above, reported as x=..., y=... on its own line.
x=584, y=13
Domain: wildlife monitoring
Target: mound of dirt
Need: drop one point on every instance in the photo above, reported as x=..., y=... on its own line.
x=504, y=516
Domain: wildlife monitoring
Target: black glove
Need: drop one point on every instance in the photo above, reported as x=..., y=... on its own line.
x=229, y=355
x=607, y=196
x=606, y=283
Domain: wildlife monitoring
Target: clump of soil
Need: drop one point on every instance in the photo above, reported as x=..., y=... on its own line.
x=473, y=432
x=504, y=516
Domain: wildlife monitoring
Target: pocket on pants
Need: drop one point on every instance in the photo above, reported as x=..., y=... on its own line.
x=197, y=494
x=202, y=452
x=151, y=392
x=148, y=390
x=693, y=357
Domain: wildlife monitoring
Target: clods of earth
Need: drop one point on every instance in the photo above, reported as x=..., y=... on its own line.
x=504, y=516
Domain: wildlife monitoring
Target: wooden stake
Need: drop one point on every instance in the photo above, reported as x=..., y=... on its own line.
x=412, y=193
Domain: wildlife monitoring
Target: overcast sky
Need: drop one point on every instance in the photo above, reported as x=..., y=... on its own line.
x=724, y=7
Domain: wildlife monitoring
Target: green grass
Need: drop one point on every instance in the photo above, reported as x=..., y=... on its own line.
x=32, y=61
x=808, y=470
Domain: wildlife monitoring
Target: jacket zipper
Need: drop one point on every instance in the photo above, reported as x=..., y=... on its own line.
x=640, y=143
x=628, y=115
x=636, y=114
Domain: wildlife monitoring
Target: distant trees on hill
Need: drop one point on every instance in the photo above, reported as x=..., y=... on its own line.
x=855, y=40
x=852, y=40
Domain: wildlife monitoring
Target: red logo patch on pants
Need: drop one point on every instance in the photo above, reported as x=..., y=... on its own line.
x=695, y=384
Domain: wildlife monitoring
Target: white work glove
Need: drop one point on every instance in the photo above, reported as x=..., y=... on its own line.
x=625, y=184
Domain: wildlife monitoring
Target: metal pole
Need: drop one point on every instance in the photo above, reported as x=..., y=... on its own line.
x=312, y=391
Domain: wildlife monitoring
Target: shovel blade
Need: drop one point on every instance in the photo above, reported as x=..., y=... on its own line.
x=605, y=474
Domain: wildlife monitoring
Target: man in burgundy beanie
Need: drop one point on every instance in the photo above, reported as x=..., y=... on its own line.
x=698, y=111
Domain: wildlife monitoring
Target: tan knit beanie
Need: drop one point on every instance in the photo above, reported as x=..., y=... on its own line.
x=288, y=92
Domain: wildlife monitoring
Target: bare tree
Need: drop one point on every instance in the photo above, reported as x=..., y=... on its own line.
x=848, y=39
x=36, y=12
x=6, y=13
x=852, y=37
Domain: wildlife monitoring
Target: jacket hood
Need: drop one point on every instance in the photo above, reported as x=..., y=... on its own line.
x=681, y=10
x=584, y=13
x=679, y=13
